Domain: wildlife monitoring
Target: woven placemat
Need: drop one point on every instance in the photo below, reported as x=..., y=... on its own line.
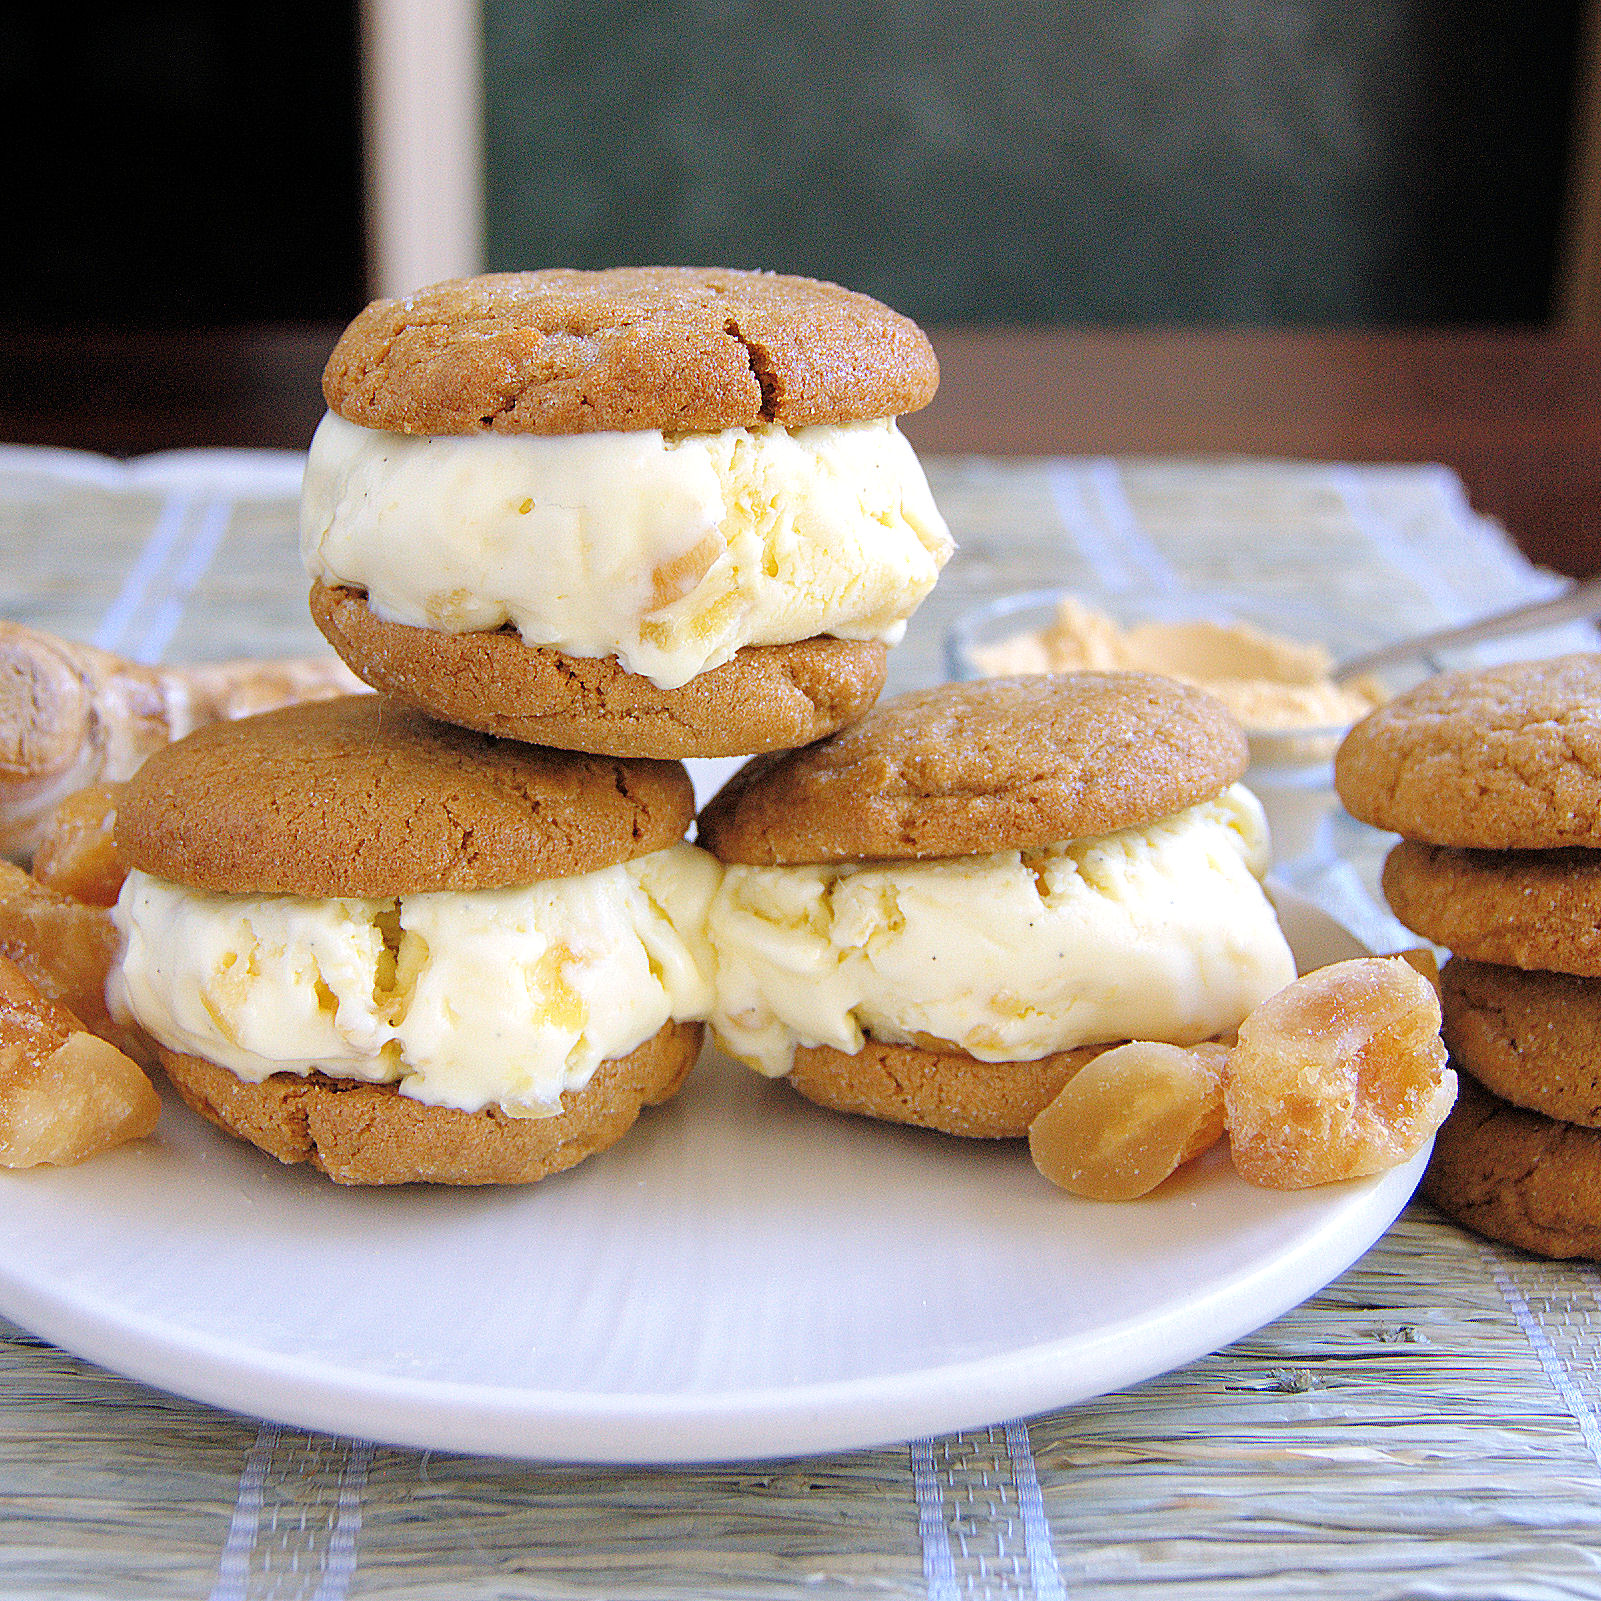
x=1427, y=1425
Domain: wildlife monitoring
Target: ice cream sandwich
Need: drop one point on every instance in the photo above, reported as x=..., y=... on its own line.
x=401, y=950
x=938, y=915
x=647, y=511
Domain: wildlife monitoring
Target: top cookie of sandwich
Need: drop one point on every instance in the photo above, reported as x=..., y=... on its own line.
x=1506, y=758
x=965, y=769
x=362, y=796
x=682, y=349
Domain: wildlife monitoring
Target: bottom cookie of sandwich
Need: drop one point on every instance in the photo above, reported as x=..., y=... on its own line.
x=767, y=697
x=939, y=1089
x=361, y=1133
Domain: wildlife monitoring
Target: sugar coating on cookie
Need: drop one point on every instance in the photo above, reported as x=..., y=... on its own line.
x=996, y=764
x=1507, y=758
x=680, y=349
x=1530, y=909
x=765, y=697
x=1533, y=1038
x=1517, y=1176
x=363, y=796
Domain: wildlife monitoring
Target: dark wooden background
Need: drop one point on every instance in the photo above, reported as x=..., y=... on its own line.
x=1086, y=222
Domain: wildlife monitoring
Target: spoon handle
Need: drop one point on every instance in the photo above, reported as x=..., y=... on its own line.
x=1582, y=600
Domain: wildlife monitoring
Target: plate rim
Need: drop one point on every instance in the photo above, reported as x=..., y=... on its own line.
x=730, y=1426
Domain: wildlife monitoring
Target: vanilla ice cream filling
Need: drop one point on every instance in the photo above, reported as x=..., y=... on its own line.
x=504, y=997
x=1159, y=932
x=669, y=552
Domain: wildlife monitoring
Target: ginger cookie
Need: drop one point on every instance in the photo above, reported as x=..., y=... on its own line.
x=936, y=916
x=364, y=796
x=682, y=349
x=402, y=950
x=359, y=1133
x=1532, y=1038
x=939, y=1089
x=1531, y=909
x=1517, y=1176
x=768, y=697
x=643, y=512
x=1507, y=758
x=988, y=765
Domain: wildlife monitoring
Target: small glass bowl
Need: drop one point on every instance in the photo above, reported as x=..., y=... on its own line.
x=1034, y=610
x=1291, y=769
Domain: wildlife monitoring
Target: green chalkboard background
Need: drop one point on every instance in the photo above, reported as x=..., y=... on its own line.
x=1246, y=161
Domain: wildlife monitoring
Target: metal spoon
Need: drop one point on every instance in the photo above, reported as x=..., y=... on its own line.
x=1582, y=600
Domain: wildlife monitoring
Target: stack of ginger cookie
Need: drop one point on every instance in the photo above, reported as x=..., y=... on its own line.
x=573, y=527
x=1493, y=780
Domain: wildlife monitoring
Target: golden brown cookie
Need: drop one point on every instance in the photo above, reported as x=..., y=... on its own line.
x=359, y=1133
x=683, y=349
x=940, y=1089
x=1508, y=758
x=1517, y=1176
x=769, y=697
x=364, y=796
x=1535, y=909
x=1532, y=1038
x=996, y=764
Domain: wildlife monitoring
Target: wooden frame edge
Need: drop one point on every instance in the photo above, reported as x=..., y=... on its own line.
x=423, y=155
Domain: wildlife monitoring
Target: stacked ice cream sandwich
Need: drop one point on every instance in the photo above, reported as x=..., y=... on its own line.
x=647, y=512
x=573, y=527
x=1493, y=779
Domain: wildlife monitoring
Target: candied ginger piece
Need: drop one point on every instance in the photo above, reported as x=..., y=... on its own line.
x=66, y=949
x=78, y=856
x=1339, y=1075
x=1125, y=1121
x=65, y=1094
x=1423, y=960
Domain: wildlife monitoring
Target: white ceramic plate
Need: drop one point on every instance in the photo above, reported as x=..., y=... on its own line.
x=744, y=1276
